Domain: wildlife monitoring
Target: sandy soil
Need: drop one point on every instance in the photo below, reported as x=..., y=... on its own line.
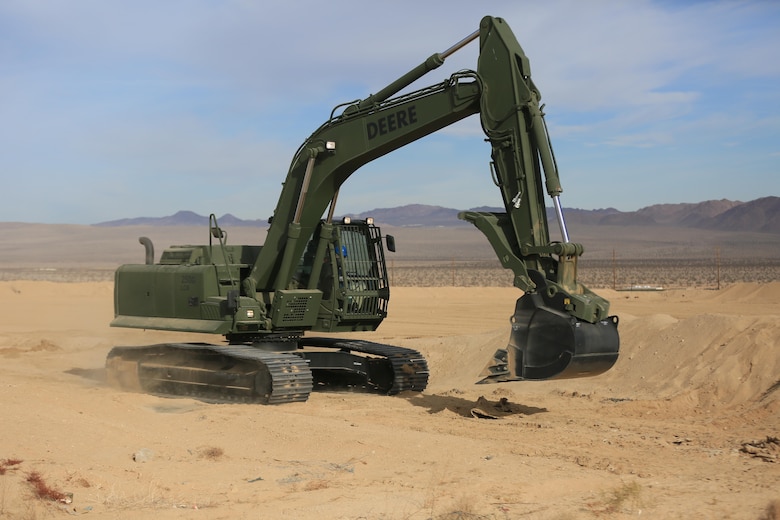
x=681, y=427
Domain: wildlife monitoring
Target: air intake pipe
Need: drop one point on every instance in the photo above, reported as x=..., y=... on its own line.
x=149, y=247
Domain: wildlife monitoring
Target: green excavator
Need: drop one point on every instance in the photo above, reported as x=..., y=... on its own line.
x=317, y=273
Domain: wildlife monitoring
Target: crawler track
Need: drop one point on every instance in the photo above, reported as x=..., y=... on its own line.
x=224, y=373
x=386, y=368
x=244, y=373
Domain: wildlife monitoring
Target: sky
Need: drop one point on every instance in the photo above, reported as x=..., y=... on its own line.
x=113, y=109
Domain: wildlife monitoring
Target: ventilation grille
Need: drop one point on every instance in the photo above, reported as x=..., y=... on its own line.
x=296, y=308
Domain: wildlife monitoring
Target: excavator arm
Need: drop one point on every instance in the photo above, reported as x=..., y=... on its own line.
x=560, y=328
x=336, y=150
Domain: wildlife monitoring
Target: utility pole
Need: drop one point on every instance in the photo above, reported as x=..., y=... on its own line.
x=452, y=268
x=614, y=271
x=717, y=266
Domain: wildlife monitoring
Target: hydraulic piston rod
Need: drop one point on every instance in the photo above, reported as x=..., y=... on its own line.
x=458, y=46
x=561, y=221
x=433, y=62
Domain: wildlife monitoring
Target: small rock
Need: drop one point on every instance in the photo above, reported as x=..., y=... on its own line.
x=143, y=455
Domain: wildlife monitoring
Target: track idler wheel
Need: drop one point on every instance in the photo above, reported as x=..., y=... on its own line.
x=549, y=344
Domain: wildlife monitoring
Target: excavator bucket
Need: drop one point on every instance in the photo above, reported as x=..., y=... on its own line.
x=549, y=344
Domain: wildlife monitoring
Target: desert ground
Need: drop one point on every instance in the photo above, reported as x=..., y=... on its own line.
x=685, y=425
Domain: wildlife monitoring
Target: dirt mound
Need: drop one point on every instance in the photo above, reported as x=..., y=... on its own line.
x=767, y=293
x=717, y=359
x=706, y=360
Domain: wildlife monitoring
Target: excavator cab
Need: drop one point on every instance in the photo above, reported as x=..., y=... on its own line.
x=346, y=262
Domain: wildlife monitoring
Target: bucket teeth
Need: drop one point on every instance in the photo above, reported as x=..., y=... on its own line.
x=497, y=369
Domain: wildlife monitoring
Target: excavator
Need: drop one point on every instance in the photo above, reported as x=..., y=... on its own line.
x=319, y=273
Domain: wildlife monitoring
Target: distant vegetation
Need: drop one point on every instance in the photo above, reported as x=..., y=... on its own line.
x=671, y=245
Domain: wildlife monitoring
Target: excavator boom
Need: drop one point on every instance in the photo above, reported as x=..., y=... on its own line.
x=316, y=274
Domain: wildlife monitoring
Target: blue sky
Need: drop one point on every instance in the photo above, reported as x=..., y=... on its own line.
x=115, y=109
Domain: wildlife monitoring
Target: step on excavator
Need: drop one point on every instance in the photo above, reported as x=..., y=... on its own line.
x=317, y=273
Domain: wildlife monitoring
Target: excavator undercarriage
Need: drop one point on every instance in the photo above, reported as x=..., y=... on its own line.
x=251, y=374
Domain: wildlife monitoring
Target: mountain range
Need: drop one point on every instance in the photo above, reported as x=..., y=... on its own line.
x=759, y=215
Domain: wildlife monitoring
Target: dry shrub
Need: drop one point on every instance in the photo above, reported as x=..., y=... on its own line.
x=772, y=511
x=211, y=453
x=155, y=497
x=625, y=272
x=7, y=464
x=627, y=494
x=462, y=509
x=78, y=480
x=314, y=485
x=460, y=514
x=43, y=491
